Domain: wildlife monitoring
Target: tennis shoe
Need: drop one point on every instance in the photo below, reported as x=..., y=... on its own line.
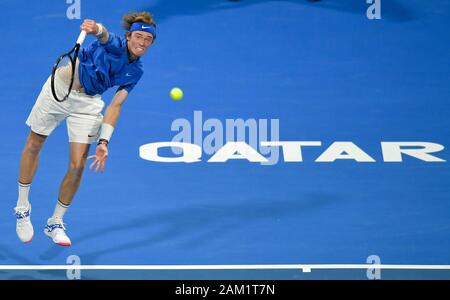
x=56, y=230
x=24, y=228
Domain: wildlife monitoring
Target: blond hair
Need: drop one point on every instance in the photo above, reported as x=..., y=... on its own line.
x=132, y=17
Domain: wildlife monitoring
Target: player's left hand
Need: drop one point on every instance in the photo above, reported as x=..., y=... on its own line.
x=101, y=153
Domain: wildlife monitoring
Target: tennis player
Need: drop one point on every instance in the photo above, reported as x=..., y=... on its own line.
x=108, y=61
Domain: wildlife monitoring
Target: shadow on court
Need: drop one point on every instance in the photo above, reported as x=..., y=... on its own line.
x=8, y=254
x=201, y=223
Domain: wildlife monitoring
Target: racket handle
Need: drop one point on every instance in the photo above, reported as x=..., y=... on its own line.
x=81, y=37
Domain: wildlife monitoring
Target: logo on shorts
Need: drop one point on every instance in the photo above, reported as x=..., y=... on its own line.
x=91, y=135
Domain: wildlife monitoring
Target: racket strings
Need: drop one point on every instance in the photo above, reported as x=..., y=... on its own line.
x=64, y=71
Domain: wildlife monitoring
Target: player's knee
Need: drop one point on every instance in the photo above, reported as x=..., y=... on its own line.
x=76, y=168
x=33, y=147
x=34, y=143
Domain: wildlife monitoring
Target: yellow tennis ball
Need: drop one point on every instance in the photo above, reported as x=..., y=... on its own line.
x=176, y=94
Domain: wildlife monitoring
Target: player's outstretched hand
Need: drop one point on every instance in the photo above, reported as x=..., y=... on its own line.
x=101, y=153
x=89, y=26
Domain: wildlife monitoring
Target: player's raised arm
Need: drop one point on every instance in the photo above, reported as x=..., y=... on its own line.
x=97, y=29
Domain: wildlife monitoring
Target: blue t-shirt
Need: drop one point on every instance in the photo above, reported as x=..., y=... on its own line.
x=106, y=65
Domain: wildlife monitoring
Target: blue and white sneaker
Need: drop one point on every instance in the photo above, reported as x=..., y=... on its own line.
x=24, y=228
x=57, y=231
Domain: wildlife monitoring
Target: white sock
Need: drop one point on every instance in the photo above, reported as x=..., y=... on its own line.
x=60, y=210
x=24, y=190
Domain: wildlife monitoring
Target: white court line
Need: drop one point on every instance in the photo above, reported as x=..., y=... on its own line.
x=305, y=268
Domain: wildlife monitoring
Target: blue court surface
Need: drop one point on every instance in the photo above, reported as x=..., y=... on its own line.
x=312, y=71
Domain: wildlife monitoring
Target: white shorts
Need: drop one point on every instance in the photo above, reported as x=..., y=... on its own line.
x=82, y=112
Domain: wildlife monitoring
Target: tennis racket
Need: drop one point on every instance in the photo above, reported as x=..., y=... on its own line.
x=64, y=68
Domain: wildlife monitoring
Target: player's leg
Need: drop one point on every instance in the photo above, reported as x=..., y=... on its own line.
x=29, y=160
x=69, y=186
x=71, y=182
x=83, y=126
x=43, y=119
x=28, y=165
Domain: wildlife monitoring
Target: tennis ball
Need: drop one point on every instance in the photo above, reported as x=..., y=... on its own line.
x=176, y=94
